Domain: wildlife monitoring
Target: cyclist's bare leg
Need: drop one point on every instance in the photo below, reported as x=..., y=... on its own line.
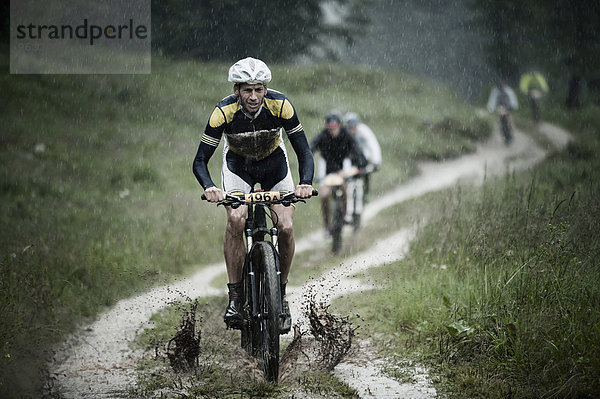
x=351, y=188
x=235, y=248
x=287, y=245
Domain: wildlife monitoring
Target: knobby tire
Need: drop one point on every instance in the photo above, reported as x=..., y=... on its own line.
x=355, y=215
x=506, y=129
x=337, y=223
x=269, y=303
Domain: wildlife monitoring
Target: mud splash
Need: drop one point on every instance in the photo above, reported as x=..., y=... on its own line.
x=184, y=348
x=321, y=348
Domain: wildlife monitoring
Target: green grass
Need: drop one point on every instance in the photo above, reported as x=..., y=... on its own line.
x=98, y=198
x=499, y=293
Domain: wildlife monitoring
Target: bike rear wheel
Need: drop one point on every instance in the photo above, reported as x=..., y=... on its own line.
x=337, y=223
x=506, y=129
x=266, y=328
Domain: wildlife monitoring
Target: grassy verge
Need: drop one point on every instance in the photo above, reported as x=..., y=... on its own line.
x=98, y=199
x=499, y=292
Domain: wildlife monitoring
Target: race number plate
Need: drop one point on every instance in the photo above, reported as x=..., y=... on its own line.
x=262, y=196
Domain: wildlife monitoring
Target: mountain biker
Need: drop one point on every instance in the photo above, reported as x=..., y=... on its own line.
x=502, y=101
x=335, y=144
x=534, y=86
x=251, y=121
x=368, y=144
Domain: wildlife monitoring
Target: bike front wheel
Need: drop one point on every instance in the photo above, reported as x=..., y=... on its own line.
x=266, y=328
x=337, y=223
x=506, y=128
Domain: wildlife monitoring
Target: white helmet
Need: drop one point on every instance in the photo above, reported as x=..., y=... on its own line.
x=351, y=119
x=249, y=70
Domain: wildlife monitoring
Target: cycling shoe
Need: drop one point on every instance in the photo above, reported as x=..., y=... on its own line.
x=233, y=318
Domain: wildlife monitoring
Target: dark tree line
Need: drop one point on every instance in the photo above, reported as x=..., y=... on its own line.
x=557, y=36
x=275, y=30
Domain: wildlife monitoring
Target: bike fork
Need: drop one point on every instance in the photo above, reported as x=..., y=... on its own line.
x=275, y=241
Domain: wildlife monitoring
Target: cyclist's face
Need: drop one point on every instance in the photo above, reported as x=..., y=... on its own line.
x=333, y=129
x=251, y=96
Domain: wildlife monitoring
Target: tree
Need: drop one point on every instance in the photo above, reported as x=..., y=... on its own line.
x=231, y=29
x=509, y=27
x=544, y=34
x=576, y=35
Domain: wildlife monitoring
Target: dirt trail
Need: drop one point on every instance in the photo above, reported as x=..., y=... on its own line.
x=96, y=361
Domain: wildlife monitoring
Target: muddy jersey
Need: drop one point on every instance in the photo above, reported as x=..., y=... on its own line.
x=253, y=137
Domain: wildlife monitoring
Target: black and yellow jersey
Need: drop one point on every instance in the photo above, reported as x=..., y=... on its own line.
x=253, y=137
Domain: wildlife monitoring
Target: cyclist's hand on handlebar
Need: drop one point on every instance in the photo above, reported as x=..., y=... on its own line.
x=214, y=194
x=304, y=191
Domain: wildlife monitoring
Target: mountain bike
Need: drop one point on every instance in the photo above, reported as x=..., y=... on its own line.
x=262, y=303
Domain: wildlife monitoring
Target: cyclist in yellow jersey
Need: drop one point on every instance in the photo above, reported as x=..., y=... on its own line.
x=535, y=87
x=251, y=120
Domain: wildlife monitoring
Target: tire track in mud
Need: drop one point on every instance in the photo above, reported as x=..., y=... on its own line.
x=96, y=361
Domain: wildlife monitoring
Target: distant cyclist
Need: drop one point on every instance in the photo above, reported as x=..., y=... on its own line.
x=502, y=101
x=534, y=86
x=251, y=121
x=368, y=144
x=335, y=144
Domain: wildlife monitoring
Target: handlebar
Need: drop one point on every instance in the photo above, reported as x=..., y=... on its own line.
x=286, y=198
x=355, y=172
x=338, y=178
